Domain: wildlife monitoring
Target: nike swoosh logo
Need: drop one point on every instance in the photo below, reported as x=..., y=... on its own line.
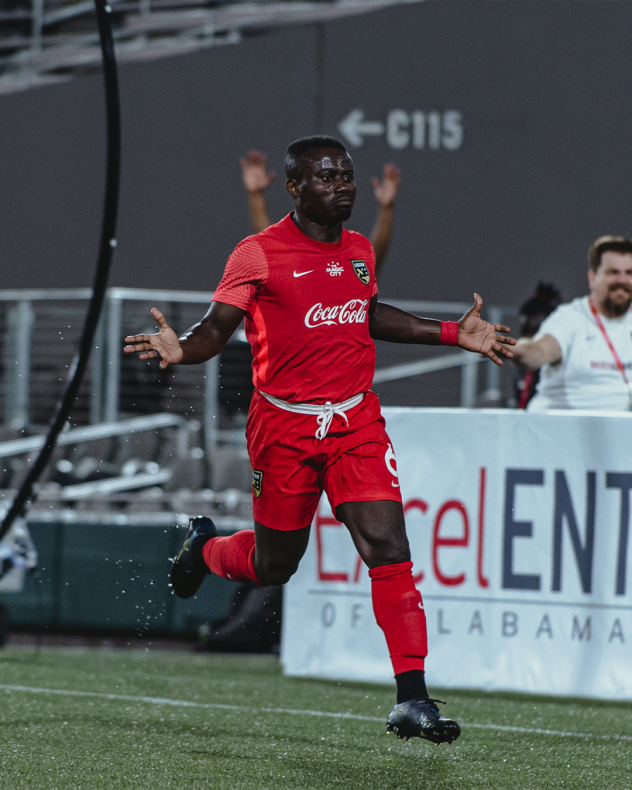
x=301, y=274
x=395, y=485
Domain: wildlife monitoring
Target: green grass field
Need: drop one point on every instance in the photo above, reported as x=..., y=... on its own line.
x=111, y=738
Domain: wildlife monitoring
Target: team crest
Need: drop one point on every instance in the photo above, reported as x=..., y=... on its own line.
x=362, y=271
x=257, y=482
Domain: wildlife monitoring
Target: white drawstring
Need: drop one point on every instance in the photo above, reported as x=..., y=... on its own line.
x=324, y=419
x=324, y=413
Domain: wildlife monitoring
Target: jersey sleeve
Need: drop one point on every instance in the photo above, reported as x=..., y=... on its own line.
x=246, y=269
x=373, y=266
x=562, y=324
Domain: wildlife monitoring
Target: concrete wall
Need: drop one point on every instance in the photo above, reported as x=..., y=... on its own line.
x=544, y=167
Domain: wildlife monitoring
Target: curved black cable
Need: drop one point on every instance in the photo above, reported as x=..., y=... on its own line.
x=25, y=495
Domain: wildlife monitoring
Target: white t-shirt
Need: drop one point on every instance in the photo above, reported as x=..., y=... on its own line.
x=587, y=376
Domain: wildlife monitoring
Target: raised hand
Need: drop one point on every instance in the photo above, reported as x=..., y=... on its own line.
x=386, y=189
x=482, y=337
x=253, y=166
x=164, y=344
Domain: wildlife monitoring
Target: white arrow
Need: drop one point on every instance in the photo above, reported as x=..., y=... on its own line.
x=354, y=126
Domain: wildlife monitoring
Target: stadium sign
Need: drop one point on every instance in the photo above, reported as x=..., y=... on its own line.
x=417, y=129
x=519, y=528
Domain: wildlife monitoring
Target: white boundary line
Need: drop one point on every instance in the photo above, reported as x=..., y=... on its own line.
x=292, y=712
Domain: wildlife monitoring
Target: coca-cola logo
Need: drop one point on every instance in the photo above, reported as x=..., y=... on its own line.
x=353, y=312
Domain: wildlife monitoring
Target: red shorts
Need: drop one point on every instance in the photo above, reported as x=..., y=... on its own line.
x=291, y=467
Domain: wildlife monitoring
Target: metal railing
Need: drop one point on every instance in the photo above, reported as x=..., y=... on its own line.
x=91, y=433
x=466, y=361
x=107, y=431
x=105, y=371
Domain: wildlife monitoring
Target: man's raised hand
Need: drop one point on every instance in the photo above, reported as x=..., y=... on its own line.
x=386, y=188
x=164, y=344
x=256, y=177
x=482, y=337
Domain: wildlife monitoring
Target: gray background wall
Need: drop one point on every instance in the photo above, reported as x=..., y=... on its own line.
x=544, y=168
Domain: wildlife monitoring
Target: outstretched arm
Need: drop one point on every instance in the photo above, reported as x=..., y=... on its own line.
x=385, y=191
x=532, y=354
x=201, y=342
x=257, y=180
x=395, y=326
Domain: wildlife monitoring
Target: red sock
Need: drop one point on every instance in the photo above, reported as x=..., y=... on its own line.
x=233, y=557
x=400, y=614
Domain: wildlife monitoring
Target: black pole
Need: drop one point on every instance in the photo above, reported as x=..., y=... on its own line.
x=25, y=496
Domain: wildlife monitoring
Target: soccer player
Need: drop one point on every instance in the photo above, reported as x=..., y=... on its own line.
x=306, y=288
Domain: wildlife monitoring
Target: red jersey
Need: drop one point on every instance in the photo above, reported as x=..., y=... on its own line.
x=306, y=306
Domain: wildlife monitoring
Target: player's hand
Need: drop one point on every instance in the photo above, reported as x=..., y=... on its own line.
x=253, y=166
x=386, y=189
x=482, y=337
x=164, y=345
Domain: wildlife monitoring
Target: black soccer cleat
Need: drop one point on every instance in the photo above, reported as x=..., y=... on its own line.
x=421, y=719
x=189, y=570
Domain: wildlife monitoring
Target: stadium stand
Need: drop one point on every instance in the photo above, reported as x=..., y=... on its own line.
x=43, y=42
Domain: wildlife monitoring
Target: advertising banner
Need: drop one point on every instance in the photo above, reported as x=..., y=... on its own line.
x=519, y=530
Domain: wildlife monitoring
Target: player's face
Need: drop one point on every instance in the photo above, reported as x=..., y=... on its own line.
x=326, y=191
x=611, y=284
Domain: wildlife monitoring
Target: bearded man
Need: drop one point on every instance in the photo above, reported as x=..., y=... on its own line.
x=584, y=349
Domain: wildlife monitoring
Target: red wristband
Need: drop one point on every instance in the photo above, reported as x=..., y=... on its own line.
x=449, y=333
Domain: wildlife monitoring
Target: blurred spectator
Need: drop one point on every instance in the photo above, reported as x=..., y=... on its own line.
x=584, y=349
x=385, y=191
x=253, y=624
x=257, y=179
x=532, y=313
